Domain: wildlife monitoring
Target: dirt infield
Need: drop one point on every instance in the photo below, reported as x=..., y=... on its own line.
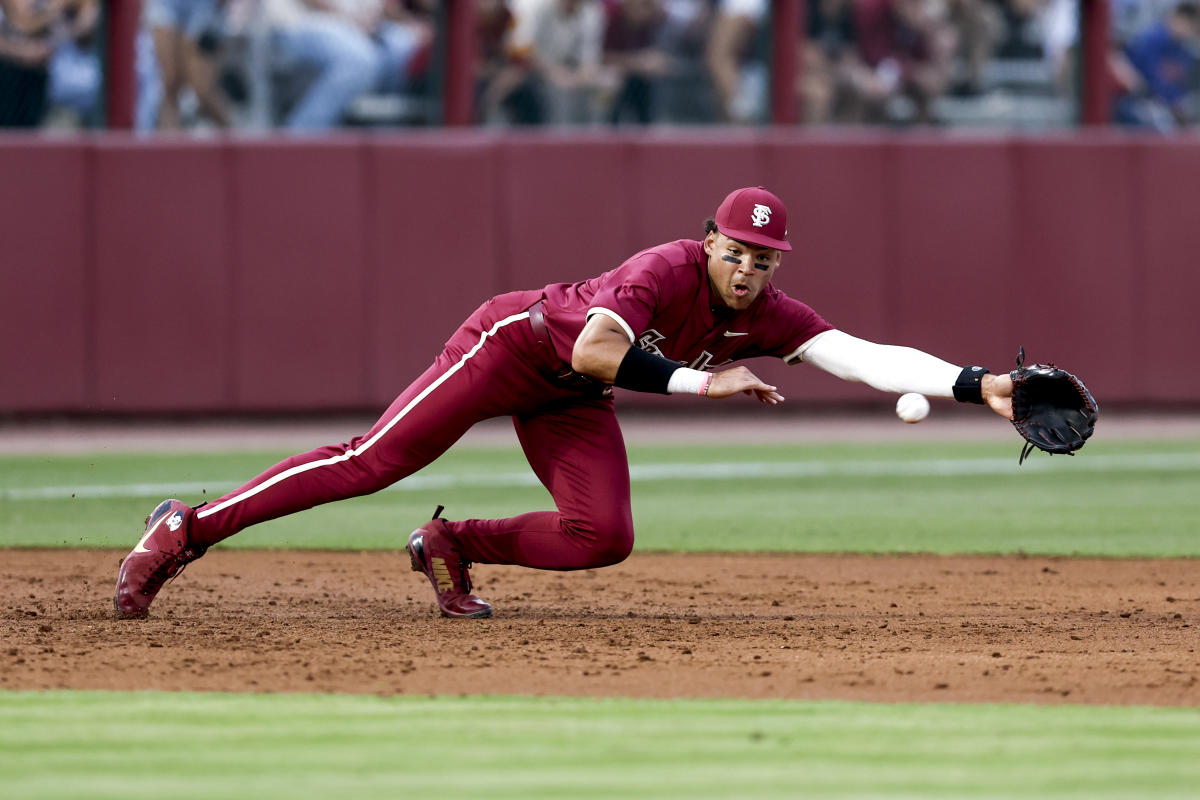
x=907, y=628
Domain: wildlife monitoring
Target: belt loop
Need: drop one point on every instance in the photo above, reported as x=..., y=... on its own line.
x=561, y=371
x=537, y=321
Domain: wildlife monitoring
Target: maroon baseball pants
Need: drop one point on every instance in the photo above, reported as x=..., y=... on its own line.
x=492, y=366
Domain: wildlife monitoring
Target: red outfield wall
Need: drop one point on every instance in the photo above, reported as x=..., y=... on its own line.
x=249, y=275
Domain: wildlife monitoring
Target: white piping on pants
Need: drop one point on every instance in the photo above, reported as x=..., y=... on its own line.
x=300, y=468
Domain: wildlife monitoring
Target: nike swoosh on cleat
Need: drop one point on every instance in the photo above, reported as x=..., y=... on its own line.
x=737, y=333
x=140, y=547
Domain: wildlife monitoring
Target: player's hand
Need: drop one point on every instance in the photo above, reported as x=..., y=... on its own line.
x=739, y=379
x=997, y=393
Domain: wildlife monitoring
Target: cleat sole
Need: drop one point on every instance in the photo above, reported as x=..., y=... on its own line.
x=482, y=614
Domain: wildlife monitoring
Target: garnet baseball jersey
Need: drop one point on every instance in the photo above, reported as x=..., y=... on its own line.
x=662, y=299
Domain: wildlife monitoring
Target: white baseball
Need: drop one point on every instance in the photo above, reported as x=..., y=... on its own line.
x=912, y=407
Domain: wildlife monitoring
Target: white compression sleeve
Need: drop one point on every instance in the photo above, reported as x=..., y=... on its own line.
x=885, y=367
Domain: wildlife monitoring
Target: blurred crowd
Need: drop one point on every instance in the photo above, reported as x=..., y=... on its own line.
x=319, y=64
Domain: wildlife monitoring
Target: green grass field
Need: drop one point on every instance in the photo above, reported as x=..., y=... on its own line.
x=1115, y=499
x=100, y=745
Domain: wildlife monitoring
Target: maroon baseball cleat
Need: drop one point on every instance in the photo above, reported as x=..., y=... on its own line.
x=161, y=554
x=433, y=552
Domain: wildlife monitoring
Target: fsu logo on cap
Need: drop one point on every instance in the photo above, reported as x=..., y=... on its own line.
x=754, y=216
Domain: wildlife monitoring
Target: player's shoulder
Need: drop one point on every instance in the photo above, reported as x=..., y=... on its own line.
x=667, y=271
x=676, y=263
x=681, y=252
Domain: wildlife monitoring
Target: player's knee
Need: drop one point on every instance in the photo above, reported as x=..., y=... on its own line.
x=612, y=541
x=614, y=550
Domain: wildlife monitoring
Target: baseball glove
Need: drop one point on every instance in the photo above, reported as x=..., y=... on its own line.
x=1052, y=409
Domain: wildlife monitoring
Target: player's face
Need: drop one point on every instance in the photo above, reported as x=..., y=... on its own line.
x=739, y=271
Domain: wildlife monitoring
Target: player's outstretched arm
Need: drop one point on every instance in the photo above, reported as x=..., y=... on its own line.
x=890, y=368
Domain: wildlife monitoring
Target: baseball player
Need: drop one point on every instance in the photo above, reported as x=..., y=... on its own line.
x=667, y=320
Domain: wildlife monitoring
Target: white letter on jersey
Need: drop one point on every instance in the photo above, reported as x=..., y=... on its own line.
x=647, y=341
x=704, y=361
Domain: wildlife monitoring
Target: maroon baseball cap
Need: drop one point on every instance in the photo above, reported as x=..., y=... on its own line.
x=754, y=216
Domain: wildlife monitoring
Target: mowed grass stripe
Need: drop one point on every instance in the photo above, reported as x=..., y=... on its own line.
x=101, y=745
x=1123, y=499
x=711, y=471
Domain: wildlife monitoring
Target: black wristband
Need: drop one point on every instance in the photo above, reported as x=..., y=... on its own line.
x=969, y=386
x=645, y=372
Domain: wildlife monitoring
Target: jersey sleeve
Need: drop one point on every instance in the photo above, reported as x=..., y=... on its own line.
x=797, y=325
x=633, y=293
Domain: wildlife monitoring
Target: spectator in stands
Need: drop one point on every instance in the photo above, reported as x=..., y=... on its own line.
x=149, y=83
x=565, y=40
x=511, y=89
x=504, y=92
x=684, y=93
x=404, y=32
x=1060, y=31
x=827, y=51
x=979, y=29
x=737, y=53
x=328, y=53
x=25, y=51
x=186, y=37
x=30, y=33
x=494, y=23
x=1037, y=36
x=1021, y=34
x=321, y=37
x=1158, y=71
x=633, y=54
x=1131, y=18
x=904, y=50
x=75, y=72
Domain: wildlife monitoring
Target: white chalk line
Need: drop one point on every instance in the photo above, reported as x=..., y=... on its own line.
x=720, y=471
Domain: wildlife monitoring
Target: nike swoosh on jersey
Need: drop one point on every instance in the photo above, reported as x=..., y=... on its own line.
x=737, y=333
x=140, y=547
